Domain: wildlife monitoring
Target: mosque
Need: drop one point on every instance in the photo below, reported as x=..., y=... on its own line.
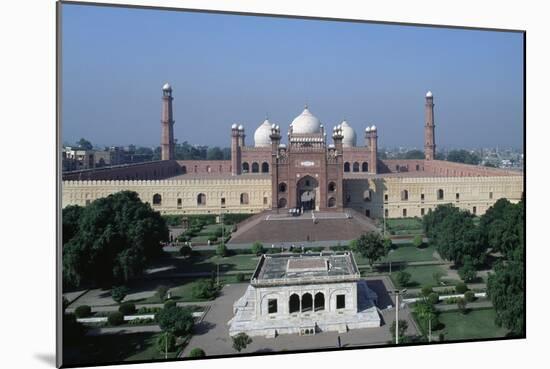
x=318, y=170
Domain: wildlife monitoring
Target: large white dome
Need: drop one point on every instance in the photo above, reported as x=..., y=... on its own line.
x=306, y=123
x=350, y=138
x=261, y=136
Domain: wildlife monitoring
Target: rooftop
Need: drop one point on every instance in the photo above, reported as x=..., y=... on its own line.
x=290, y=269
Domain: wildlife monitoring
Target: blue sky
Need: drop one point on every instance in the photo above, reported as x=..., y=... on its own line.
x=228, y=69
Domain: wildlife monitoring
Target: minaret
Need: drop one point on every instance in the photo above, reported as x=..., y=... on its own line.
x=167, y=123
x=429, y=128
x=371, y=136
x=236, y=166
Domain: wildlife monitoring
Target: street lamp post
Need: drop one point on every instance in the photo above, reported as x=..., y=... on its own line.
x=397, y=293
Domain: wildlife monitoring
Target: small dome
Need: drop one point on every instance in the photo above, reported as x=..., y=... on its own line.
x=429, y=94
x=350, y=138
x=282, y=146
x=367, y=129
x=306, y=123
x=373, y=128
x=261, y=136
x=167, y=87
x=241, y=127
x=234, y=126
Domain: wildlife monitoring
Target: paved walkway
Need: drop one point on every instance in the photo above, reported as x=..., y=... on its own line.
x=123, y=330
x=470, y=305
x=213, y=337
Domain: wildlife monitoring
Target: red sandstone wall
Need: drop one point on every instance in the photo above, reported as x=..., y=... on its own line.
x=149, y=170
x=205, y=166
x=447, y=168
x=400, y=165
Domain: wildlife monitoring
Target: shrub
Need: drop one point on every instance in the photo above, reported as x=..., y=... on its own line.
x=437, y=277
x=127, y=308
x=212, y=238
x=418, y=241
x=186, y=250
x=239, y=277
x=461, y=288
x=83, y=311
x=240, y=341
x=433, y=298
x=197, y=352
x=403, y=278
x=115, y=318
x=204, y=289
x=118, y=293
x=426, y=291
x=169, y=303
x=166, y=341
x=469, y=296
x=257, y=248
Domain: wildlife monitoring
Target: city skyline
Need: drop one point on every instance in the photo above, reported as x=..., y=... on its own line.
x=112, y=88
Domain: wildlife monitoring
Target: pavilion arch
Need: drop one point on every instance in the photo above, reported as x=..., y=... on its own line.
x=346, y=167
x=294, y=304
x=282, y=187
x=157, y=199
x=365, y=167
x=307, y=302
x=404, y=195
x=440, y=194
x=282, y=203
x=265, y=167
x=319, y=302
x=201, y=199
x=183, y=169
x=255, y=167
x=246, y=167
x=331, y=187
x=367, y=195
x=332, y=202
x=264, y=305
x=356, y=167
x=244, y=198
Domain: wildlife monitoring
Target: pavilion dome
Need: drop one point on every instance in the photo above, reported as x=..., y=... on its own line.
x=350, y=138
x=167, y=87
x=306, y=123
x=262, y=133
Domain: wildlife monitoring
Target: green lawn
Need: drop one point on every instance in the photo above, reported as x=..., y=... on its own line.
x=209, y=262
x=404, y=224
x=420, y=275
x=115, y=347
x=407, y=252
x=475, y=324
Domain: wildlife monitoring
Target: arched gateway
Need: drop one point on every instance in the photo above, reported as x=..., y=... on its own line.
x=307, y=190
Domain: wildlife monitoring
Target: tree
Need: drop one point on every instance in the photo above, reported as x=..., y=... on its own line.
x=502, y=226
x=117, y=236
x=370, y=246
x=461, y=287
x=73, y=331
x=426, y=313
x=463, y=156
x=257, y=248
x=162, y=292
x=506, y=289
x=176, y=320
x=186, y=251
x=240, y=341
x=71, y=215
x=403, y=278
x=197, y=352
x=413, y=154
x=454, y=234
x=118, y=293
x=403, y=326
x=418, y=241
x=468, y=271
x=84, y=144
x=166, y=342
x=462, y=304
x=221, y=250
x=214, y=153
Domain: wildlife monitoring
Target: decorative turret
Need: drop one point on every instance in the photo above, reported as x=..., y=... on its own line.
x=429, y=128
x=167, y=144
x=275, y=138
x=372, y=134
x=338, y=136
